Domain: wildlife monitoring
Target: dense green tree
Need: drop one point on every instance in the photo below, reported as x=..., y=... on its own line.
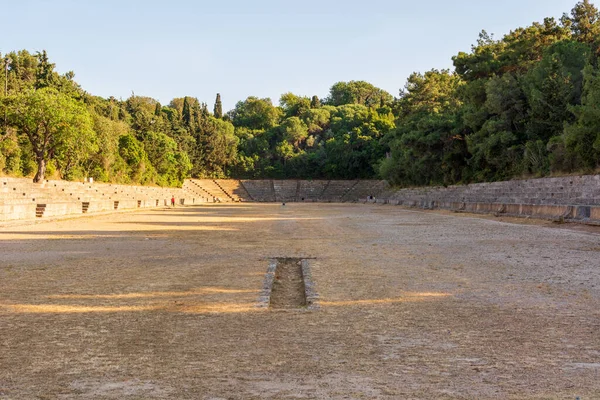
x=582, y=137
x=357, y=92
x=255, y=113
x=44, y=76
x=585, y=22
x=56, y=126
x=315, y=102
x=292, y=105
x=426, y=147
x=139, y=168
x=552, y=86
x=218, y=145
x=294, y=131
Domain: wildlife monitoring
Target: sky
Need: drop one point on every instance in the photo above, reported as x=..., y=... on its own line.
x=262, y=48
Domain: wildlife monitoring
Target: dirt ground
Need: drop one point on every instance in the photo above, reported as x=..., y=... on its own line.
x=161, y=304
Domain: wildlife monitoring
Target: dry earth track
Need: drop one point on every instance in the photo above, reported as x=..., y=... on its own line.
x=162, y=304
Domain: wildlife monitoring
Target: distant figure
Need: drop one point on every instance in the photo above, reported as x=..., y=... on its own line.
x=283, y=204
x=173, y=201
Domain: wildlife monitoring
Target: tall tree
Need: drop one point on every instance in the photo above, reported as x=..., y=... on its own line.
x=218, y=111
x=585, y=22
x=186, y=115
x=315, y=102
x=44, y=76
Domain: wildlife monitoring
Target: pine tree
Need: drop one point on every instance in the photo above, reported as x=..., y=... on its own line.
x=157, y=109
x=585, y=20
x=44, y=75
x=218, y=107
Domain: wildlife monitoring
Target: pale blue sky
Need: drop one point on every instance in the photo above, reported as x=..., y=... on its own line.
x=254, y=47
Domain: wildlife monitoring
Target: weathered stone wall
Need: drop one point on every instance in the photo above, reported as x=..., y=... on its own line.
x=21, y=199
x=571, y=197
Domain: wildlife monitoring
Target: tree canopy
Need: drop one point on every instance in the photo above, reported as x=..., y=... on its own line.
x=525, y=104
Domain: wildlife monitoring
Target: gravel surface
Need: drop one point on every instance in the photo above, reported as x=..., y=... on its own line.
x=162, y=304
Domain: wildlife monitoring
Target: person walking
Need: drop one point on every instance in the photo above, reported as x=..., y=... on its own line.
x=173, y=201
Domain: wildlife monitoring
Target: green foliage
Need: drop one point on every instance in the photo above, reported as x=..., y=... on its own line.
x=525, y=104
x=218, y=147
x=585, y=22
x=582, y=138
x=255, y=113
x=315, y=102
x=552, y=85
x=357, y=92
x=294, y=106
x=518, y=106
x=57, y=127
x=427, y=147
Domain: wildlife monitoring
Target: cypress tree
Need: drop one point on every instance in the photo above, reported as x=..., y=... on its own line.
x=157, y=109
x=187, y=112
x=315, y=102
x=218, y=107
x=205, y=112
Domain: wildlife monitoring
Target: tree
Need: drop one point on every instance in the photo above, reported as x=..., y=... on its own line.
x=552, y=86
x=357, y=92
x=315, y=102
x=218, y=147
x=427, y=147
x=293, y=105
x=218, y=111
x=187, y=117
x=582, y=138
x=585, y=22
x=295, y=131
x=44, y=76
x=255, y=113
x=54, y=124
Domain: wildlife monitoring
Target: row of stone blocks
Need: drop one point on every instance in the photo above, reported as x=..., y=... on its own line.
x=20, y=198
x=11, y=212
x=562, y=213
x=578, y=190
x=574, y=198
x=287, y=190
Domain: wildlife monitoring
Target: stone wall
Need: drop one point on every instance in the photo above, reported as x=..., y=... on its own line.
x=21, y=199
x=290, y=190
x=569, y=198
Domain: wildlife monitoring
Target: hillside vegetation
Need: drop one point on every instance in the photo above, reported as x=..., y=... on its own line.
x=527, y=104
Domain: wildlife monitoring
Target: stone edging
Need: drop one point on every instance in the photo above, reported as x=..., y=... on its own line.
x=312, y=297
x=265, y=294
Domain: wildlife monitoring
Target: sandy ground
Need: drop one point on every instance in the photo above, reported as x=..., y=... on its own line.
x=162, y=305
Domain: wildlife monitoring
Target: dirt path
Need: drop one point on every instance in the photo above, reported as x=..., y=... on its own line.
x=162, y=304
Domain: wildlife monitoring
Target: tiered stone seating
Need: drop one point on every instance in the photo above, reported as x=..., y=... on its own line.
x=260, y=190
x=365, y=188
x=214, y=190
x=234, y=188
x=286, y=190
x=336, y=190
x=312, y=190
x=20, y=198
x=200, y=195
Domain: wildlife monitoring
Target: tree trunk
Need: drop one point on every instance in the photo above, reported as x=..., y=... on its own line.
x=41, y=172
